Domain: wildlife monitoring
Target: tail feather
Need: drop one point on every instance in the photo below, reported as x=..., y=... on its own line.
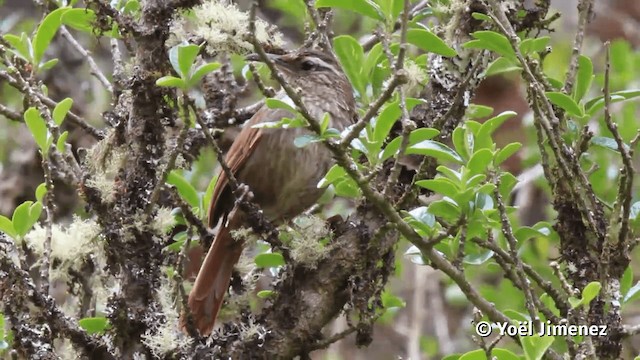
x=212, y=282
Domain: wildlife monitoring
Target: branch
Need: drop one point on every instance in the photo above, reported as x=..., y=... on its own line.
x=95, y=70
x=584, y=14
x=60, y=324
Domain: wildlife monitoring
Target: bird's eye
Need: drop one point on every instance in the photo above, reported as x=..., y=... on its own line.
x=308, y=65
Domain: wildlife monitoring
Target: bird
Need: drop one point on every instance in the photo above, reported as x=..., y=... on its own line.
x=282, y=177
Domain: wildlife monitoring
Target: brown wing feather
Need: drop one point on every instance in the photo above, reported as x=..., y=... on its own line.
x=237, y=155
x=235, y=158
x=207, y=294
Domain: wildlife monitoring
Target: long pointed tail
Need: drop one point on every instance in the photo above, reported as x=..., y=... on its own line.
x=213, y=280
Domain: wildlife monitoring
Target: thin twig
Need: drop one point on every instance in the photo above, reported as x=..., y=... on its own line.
x=625, y=191
x=71, y=117
x=95, y=70
x=407, y=125
x=11, y=114
x=507, y=231
x=584, y=13
x=171, y=162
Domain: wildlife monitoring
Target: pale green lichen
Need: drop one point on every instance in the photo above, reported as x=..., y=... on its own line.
x=70, y=245
x=163, y=221
x=307, y=238
x=104, y=161
x=417, y=78
x=223, y=27
x=165, y=337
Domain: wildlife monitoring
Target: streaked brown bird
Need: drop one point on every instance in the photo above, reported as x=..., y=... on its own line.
x=282, y=177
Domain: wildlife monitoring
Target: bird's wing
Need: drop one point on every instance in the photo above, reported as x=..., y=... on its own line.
x=241, y=149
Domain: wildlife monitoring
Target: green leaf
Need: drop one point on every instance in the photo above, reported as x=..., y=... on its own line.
x=607, y=143
x=592, y=107
x=347, y=188
x=95, y=325
x=597, y=103
x=179, y=240
x=3, y=344
x=423, y=215
x=34, y=213
x=440, y=185
x=201, y=71
x=631, y=294
x=273, y=103
x=389, y=115
x=324, y=124
x=38, y=128
x=501, y=65
x=396, y=8
x=478, y=259
x=185, y=189
x=525, y=233
x=476, y=111
x=507, y=182
x=445, y=209
x=263, y=294
x=175, y=61
x=590, y=292
x=435, y=149
x=61, y=110
x=626, y=281
x=41, y=190
x=6, y=226
x=208, y=194
x=474, y=355
x=480, y=16
x=45, y=33
x=21, y=219
x=491, y=40
x=20, y=44
x=565, y=102
x=535, y=346
x=364, y=7
x=372, y=60
x=48, y=64
x=458, y=138
x=528, y=46
x=574, y=302
x=171, y=81
x=390, y=301
x=480, y=161
x=336, y=172
x=186, y=56
x=482, y=200
x=131, y=7
x=506, y=152
x=267, y=260
x=80, y=19
x=584, y=78
x=428, y=41
x=455, y=176
x=304, y=140
x=415, y=137
x=284, y=123
x=62, y=140
x=351, y=56
x=549, y=303
x=414, y=255
x=483, y=138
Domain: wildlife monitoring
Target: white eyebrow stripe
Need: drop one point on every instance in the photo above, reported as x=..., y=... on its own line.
x=324, y=64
